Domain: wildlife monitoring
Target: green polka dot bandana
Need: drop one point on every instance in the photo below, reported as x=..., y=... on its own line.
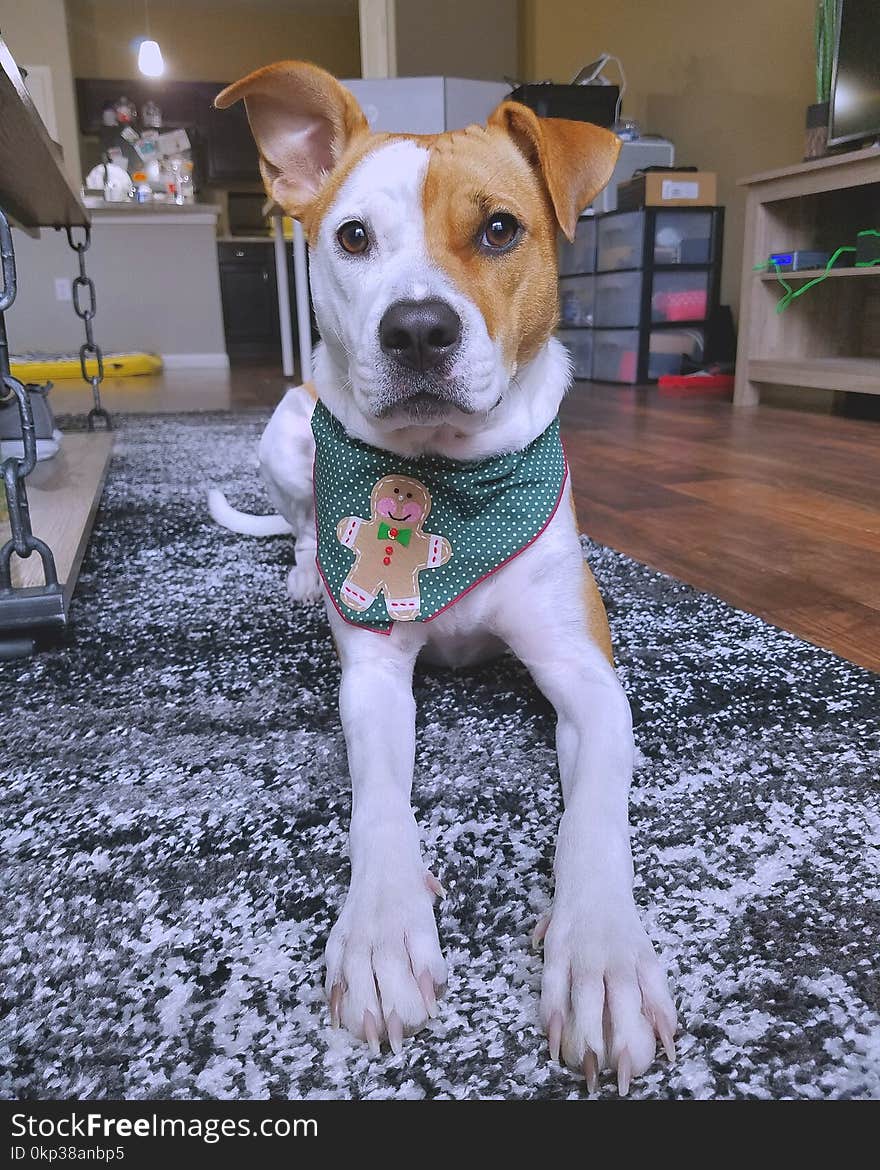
x=390, y=554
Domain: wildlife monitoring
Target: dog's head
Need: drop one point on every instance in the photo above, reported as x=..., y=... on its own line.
x=433, y=258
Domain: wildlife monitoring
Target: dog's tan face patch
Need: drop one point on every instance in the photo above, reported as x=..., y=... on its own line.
x=472, y=175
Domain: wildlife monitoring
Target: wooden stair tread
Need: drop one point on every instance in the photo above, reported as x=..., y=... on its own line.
x=63, y=493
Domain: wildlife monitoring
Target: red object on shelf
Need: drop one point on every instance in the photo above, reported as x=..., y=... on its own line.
x=688, y=305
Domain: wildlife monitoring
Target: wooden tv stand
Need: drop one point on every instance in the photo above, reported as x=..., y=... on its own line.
x=829, y=339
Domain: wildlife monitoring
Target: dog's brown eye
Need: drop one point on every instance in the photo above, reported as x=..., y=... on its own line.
x=353, y=237
x=501, y=230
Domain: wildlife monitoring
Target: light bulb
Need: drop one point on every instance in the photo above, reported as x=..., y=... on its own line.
x=150, y=60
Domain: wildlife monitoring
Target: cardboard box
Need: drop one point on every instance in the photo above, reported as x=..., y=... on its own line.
x=668, y=189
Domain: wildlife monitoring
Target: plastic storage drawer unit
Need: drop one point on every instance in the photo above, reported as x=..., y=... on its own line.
x=680, y=296
x=683, y=237
x=669, y=346
x=579, y=343
x=576, y=297
x=580, y=255
x=619, y=241
x=616, y=353
x=618, y=299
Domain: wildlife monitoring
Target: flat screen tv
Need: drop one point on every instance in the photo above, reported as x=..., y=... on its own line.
x=855, y=87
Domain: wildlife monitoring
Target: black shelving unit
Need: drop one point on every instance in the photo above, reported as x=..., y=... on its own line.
x=223, y=146
x=638, y=301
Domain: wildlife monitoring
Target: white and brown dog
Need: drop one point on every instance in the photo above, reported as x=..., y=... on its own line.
x=433, y=273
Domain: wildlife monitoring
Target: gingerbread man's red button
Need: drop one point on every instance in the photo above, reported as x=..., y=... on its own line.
x=386, y=560
x=392, y=532
x=388, y=551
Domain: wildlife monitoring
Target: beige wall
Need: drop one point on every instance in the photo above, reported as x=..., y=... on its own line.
x=36, y=32
x=214, y=40
x=457, y=38
x=727, y=82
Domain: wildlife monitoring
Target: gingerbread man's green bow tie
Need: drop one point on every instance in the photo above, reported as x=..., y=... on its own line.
x=401, y=535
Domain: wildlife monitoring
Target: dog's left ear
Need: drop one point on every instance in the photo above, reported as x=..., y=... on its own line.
x=575, y=159
x=302, y=119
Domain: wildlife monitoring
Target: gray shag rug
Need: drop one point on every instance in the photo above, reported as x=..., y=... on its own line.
x=176, y=803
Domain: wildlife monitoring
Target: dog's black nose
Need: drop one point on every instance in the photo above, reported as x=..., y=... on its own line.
x=420, y=334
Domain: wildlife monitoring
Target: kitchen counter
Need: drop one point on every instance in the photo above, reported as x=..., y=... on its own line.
x=156, y=280
x=247, y=240
x=131, y=212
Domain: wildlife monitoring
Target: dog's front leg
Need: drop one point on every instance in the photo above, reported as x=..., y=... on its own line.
x=384, y=964
x=303, y=581
x=287, y=454
x=604, y=996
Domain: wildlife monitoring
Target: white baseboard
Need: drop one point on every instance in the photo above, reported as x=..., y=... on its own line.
x=194, y=361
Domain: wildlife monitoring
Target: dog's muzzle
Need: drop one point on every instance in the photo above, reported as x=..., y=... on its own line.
x=421, y=339
x=420, y=335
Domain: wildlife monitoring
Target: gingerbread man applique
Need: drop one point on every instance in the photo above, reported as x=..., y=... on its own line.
x=391, y=549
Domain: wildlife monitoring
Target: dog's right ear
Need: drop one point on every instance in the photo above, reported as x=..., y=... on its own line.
x=302, y=120
x=575, y=159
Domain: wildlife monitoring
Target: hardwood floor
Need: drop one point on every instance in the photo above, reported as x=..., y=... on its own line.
x=239, y=388
x=776, y=511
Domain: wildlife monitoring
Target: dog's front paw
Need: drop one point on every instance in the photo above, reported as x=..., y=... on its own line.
x=304, y=582
x=385, y=968
x=604, y=999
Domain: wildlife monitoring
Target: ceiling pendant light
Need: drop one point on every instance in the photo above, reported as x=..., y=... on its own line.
x=150, y=60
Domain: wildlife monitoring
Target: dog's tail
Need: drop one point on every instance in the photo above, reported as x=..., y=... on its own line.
x=244, y=523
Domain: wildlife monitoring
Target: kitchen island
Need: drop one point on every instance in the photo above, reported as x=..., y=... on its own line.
x=155, y=271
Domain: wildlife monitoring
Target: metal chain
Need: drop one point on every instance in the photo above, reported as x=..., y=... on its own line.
x=86, y=314
x=15, y=471
x=10, y=287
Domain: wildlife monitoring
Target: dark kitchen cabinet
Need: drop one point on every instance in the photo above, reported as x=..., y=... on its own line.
x=183, y=103
x=249, y=292
x=230, y=151
x=223, y=144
